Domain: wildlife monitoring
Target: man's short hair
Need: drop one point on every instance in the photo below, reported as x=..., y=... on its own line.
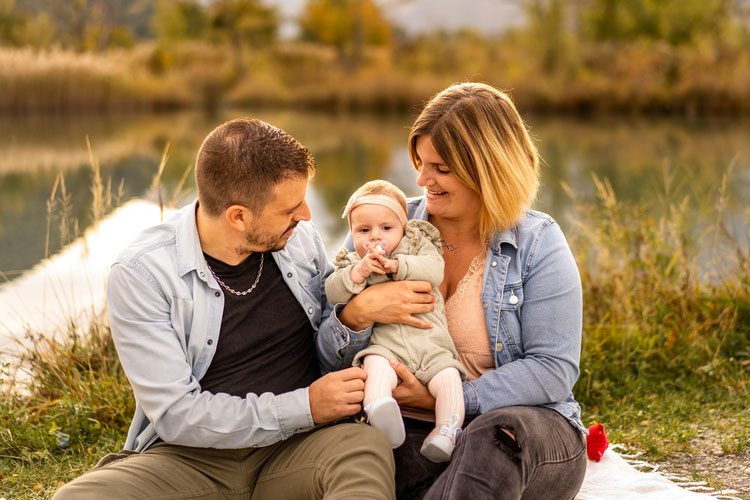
x=241, y=161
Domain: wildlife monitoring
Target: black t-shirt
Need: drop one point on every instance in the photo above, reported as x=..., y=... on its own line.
x=266, y=341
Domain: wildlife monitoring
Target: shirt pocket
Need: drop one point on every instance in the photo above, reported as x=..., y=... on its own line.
x=512, y=298
x=313, y=285
x=511, y=301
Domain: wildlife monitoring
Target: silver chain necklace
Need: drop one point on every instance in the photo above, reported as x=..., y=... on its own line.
x=451, y=247
x=232, y=290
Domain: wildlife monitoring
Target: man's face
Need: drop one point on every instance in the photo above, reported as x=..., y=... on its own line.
x=269, y=230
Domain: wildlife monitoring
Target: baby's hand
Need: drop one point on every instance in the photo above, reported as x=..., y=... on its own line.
x=390, y=265
x=370, y=263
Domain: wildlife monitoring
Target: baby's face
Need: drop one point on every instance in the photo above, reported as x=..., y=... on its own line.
x=374, y=225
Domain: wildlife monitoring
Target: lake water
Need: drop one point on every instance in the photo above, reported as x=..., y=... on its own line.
x=635, y=154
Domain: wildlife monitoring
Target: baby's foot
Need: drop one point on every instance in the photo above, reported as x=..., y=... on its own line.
x=439, y=445
x=385, y=415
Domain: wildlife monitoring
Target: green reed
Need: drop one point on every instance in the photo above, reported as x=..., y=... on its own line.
x=666, y=334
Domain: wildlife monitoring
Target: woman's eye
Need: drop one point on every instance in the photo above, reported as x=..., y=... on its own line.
x=443, y=172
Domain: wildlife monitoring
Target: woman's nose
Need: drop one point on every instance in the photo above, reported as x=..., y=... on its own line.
x=422, y=178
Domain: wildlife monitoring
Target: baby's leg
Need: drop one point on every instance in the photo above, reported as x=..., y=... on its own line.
x=447, y=389
x=381, y=409
x=381, y=378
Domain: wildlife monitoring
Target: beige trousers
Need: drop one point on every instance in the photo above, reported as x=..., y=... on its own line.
x=347, y=460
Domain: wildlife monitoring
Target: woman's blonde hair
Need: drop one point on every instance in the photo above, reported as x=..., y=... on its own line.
x=477, y=131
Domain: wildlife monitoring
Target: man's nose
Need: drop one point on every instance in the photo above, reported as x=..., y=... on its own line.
x=303, y=213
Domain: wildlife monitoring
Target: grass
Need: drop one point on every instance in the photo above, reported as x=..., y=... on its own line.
x=666, y=350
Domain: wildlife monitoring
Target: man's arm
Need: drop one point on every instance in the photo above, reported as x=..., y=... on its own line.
x=155, y=359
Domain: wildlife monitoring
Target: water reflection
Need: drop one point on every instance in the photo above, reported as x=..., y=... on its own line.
x=633, y=154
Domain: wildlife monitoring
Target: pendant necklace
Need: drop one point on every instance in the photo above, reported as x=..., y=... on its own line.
x=452, y=247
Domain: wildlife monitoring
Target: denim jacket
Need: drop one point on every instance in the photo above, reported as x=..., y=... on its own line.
x=535, y=337
x=165, y=312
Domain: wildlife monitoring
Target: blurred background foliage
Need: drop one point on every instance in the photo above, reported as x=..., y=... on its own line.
x=659, y=56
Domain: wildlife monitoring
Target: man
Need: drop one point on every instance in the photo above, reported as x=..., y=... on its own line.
x=221, y=323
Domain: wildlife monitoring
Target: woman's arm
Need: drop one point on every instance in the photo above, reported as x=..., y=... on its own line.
x=389, y=302
x=550, y=336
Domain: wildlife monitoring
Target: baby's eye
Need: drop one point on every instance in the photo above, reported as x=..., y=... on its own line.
x=364, y=230
x=387, y=228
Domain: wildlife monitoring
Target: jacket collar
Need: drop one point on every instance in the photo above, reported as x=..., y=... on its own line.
x=509, y=235
x=188, y=244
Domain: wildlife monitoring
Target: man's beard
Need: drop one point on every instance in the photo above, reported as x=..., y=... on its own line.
x=264, y=242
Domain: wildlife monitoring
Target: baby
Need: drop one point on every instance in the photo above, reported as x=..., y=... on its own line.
x=387, y=247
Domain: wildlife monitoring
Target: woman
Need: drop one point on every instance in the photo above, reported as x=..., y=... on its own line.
x=513, y=300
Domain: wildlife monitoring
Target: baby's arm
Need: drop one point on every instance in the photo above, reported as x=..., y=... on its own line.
x=426, y=265
x=340, y=287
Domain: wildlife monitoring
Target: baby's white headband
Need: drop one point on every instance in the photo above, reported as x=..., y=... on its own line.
x=376, y=199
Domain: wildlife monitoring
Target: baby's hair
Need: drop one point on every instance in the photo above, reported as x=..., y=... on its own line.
x=379, y=187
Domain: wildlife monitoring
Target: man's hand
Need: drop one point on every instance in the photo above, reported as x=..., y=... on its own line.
x=389, y=302
x=410, y=392
x=337, y=394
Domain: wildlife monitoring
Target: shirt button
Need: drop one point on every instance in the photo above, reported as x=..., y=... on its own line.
x=485, y=305
x=288, y=275
x=218, y=294
x=203, y=275
x=309, y=310
x=499, y=346
x=494, y=263
x=210, y=341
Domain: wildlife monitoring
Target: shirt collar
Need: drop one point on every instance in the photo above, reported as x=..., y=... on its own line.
x=188, y=244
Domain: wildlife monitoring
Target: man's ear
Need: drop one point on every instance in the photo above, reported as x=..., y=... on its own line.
x=238, y=217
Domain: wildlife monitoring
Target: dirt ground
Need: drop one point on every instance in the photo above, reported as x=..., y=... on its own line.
x=721, y=470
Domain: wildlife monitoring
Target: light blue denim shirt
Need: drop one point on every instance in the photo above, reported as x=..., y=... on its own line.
x=536, y=337
x=165, y=312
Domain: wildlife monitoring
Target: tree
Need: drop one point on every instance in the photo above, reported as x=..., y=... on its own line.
x=242, y=22
x=347, y=25
x=677, y=22
x=180, y=20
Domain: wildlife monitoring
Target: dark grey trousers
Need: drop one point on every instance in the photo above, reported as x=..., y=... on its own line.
x=547, y=459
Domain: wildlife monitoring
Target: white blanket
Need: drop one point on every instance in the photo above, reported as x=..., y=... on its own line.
x=617, y=477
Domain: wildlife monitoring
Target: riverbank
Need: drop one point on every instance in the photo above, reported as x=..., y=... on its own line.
x=652, y=77
x=666, y=357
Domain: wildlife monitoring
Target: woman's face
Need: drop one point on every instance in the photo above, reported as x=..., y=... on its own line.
x=447, y=197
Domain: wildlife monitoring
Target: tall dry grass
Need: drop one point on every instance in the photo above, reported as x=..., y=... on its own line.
x=642, y=76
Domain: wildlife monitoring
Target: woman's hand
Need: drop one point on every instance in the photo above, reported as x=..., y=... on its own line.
x=389, y=302
x=410, y=392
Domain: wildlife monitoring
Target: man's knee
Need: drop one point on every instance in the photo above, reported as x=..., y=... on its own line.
x=367, y=437
x=79, y=490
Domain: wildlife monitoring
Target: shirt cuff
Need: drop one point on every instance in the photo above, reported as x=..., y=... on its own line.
x=345, y=335
x=293, y=410
x=471, y=400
